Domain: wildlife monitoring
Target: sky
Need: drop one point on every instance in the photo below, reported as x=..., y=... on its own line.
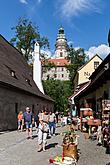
x=86, y=22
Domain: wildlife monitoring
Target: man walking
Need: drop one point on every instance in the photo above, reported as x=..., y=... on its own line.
x=28, y=120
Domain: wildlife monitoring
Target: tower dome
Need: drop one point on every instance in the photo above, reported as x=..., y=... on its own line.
x=61, y=30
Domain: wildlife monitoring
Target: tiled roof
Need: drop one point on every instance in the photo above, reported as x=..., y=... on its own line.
x=14, y=70
x=80, y=89
x=59, y=62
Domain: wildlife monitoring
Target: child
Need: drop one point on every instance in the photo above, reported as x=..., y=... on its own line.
x=20, y=117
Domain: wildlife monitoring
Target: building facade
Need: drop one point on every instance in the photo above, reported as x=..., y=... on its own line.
x=82, y=81
x=17, y=87
x=85, y=71
x=58, y=72
x=97, y=93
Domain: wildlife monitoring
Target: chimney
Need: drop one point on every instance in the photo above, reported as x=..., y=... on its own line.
x=37, y=67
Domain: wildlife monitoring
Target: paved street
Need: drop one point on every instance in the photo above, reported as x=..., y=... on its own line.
x=15, y=149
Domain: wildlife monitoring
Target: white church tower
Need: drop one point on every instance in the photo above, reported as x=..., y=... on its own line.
x=37, y=67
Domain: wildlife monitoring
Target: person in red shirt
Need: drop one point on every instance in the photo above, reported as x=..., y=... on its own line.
x=20, y=117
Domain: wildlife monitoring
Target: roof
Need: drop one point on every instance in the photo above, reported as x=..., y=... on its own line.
x=59, y=62
x=80, y=89
x=89, y=61
x=14, y=70
x=100, y=67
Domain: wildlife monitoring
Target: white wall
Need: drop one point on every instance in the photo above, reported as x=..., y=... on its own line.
x=37, y=67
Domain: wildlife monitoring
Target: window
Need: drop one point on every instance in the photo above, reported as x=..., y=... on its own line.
x=12, y=72
x=61, y=54
x=62, y=75
x=48, y=77
x=62, y=69
x=28, y=81
x=55, y=75
x=96, y=64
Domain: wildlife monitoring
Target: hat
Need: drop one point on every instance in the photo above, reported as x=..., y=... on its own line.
x=27, y=108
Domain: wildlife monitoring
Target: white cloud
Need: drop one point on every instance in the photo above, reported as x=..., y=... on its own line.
x=70, y=43
x=102, y=50
x=69, y=8
x=24, y=1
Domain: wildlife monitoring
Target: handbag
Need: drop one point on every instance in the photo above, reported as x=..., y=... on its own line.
x=45, y=128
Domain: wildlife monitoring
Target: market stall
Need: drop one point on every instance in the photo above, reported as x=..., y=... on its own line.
x=84, y=114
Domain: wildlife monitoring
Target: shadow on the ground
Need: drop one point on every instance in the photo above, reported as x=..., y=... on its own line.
x=79, y=151
x=108, y=163
x=57, y=133
x=52, y=145
x=58, y=126
x=34, y=136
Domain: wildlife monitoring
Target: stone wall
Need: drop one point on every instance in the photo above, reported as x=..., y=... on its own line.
x=13, y=101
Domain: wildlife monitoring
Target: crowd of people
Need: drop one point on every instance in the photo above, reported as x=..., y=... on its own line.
x=44, y=122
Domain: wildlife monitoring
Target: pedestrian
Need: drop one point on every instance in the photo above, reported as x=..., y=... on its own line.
x=56, y=114
x=62, y=121
x=52, y=123
x=43, y=130
x=36, y=122
x=20, y=117
x=99, y=135
x=28, y=120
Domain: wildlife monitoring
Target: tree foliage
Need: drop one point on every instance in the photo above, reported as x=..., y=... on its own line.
x=77, y=58
x=26, y=34
x=59, y=91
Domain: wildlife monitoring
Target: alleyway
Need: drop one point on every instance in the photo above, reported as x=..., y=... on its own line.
x=16, y=150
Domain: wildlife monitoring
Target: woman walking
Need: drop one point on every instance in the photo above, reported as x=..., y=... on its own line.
x=43, y=130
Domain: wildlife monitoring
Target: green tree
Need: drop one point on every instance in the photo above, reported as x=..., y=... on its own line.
x=26, y=34
x=77, y=58
x=58, y=91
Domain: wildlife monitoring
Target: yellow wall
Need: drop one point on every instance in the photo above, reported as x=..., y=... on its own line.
x=87, y=70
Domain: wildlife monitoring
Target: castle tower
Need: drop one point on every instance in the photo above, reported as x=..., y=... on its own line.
x=37, y=67
x=61, y=46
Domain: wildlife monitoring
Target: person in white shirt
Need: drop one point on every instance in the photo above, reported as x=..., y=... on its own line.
x=43, y=130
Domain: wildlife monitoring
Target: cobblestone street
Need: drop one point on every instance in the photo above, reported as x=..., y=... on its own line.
x=15, y=149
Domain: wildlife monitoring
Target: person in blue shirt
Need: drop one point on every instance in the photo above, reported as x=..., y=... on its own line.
x=28, y=120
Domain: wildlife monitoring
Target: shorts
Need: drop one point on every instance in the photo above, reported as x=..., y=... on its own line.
x=28, y=125
x=19, y=122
